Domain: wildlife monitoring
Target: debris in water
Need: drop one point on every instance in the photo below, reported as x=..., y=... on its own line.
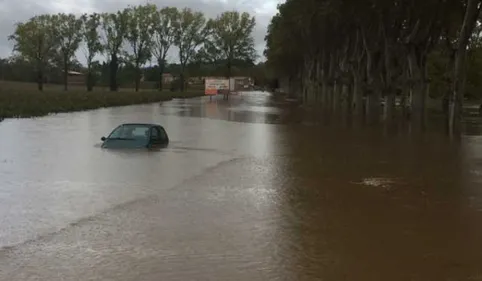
x=384, y=183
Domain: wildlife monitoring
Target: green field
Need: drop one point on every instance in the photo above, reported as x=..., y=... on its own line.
x=23, y=100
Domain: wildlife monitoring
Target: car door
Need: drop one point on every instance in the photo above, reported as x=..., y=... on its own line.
x=163, y=136
x=155, y=138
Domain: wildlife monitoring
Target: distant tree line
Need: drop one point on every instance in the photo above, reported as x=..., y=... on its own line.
x=130, y=39
x=16, y=69
x=349, y=54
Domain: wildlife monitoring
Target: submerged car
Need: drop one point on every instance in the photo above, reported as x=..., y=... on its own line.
x=136, y=135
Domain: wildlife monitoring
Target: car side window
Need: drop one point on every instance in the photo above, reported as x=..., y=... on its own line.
x=154, y=133
x=139, y=132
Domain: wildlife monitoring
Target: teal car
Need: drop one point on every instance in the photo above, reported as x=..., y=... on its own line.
x=136, y=135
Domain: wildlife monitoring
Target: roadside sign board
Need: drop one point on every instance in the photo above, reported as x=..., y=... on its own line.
x=214, y=85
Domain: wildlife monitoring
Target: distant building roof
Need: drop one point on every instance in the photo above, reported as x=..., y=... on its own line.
x=222, y=77
x=74, y=73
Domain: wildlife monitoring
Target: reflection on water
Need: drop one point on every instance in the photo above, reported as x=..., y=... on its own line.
x=378, y=182
x=257, y=107
x=252, y=188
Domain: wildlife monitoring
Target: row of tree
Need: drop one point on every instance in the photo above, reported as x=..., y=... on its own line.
x=343, y=52
x=18, y=70
x=134, y=36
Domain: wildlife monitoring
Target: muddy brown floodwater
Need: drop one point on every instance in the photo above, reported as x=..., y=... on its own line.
x=249, y=189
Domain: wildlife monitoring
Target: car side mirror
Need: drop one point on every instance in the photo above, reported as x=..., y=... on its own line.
x=102, y=138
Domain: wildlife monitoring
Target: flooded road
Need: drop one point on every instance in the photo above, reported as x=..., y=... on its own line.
x=248, y=189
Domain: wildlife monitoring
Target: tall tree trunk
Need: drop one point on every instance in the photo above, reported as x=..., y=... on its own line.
x=306, y=81
x=312, y=81
x=347, y=98
x=331, y=89
x=181, y=79
x=417, y=70
x=337, y=96
x=389, y=90
x=323, y=80
x=456, y=99
x=404, y=102
x=357, y=94
x=90, y=79
x=138, y=77
x=114, y=65
x=66, y=73
x=329, y=95
x=446, y=109
x=324, y=93
x=373, y=106
x=318, y=82
x=388, y=109
x=406, y=90
x=161, y=65
x=40, y=79
x=418, y=104
x=334, y=96
x=229, y=79
x=448, y=83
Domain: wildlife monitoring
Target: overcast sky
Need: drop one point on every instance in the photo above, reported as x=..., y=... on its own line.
x=12, y=11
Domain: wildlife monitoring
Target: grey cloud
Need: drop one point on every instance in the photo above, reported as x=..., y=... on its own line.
x=24, y=9
x=211, y=8
x=12, y=14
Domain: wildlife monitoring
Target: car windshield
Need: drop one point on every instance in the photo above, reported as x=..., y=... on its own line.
x=131, y=132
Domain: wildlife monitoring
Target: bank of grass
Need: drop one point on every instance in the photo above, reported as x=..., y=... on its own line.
x=23, y=100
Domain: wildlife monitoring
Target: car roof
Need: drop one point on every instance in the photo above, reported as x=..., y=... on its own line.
x=142, y=124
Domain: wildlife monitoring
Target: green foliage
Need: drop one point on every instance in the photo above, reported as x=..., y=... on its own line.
x=69, y=36
x=189, y=34
x=18, y=69
x=115, y=27
x=229, y=38
x=90, y=35
x=140, y=29
x=283, y=44
x=129, y=37
x=164, y=31
x=176, y=85
x=68, y=33
x=21, y=100
x=474, y=75
x=378, y=41
x=36, y=40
